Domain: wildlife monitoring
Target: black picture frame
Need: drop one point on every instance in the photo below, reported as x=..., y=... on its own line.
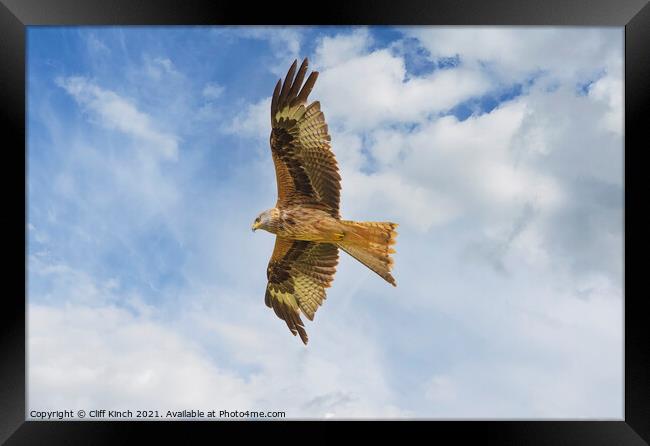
x=634, y=15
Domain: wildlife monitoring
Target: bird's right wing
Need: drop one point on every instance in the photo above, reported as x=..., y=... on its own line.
x=298, y=273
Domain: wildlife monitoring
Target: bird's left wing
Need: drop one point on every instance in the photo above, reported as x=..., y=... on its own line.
x=298, y=273
x=305, y=166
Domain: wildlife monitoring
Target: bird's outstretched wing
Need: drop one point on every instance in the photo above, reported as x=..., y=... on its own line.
x=305, y=166
x=298, y=273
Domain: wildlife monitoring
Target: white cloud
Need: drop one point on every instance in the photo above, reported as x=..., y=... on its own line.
x=545, y=371
x=130, y=356
x=509, y=261
x=109, y=182
x=120, y=361
x=490, y=166
x=514, y=182
x=335, y=50
x=382, y=196
x=96, y=45
x=609, y=90
x=371, y=90
x=116, y=112
x=515, y=52
x=159, y=69
x=284, y=42
x=212, y=91
x=254, y=121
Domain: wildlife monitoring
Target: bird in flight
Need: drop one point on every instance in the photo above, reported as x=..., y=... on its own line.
x=306, y=221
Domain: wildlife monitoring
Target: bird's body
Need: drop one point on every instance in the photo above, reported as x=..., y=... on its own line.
x=306, y=221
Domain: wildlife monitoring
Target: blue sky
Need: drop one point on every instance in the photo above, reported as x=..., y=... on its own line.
x=498, y=150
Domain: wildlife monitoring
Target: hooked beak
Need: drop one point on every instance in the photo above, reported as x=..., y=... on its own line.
x=255, y=226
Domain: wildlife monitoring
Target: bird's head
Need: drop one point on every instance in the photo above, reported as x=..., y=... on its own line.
x=266, y=220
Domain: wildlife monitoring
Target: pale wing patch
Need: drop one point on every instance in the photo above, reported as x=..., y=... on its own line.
x=310, y=294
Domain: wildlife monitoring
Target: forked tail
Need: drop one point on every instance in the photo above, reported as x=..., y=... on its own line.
x=370, y=243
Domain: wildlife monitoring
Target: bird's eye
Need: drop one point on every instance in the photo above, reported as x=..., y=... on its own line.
x=257, y=220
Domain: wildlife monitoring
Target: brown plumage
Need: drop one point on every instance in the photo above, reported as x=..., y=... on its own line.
x=306, y=220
